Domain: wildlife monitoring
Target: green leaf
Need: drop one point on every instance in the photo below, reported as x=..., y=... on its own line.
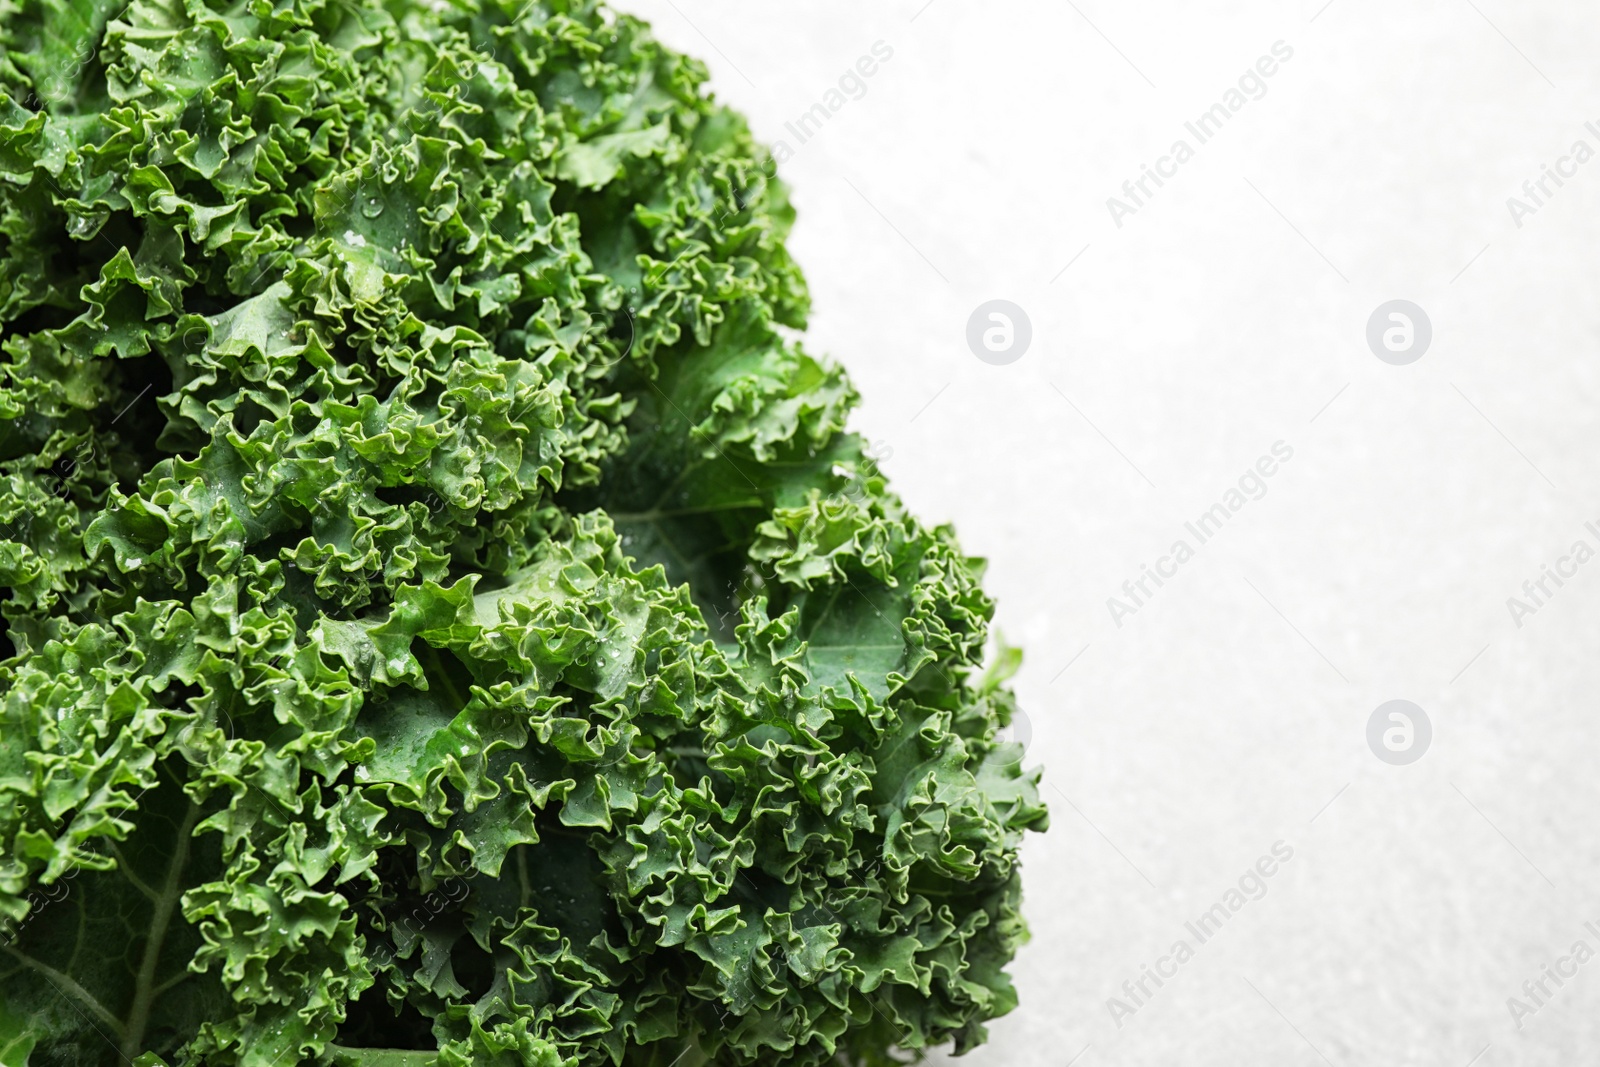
x=55, y=970
x=444, y=618
x=54, y=44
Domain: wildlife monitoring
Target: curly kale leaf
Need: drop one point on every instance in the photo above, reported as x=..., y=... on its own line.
x=443, y=617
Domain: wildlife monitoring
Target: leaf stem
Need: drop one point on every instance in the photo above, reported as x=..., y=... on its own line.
x=66, y=984
x=145, y=989
x=127, y=872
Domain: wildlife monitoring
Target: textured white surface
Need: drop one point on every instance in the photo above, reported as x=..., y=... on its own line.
x=1231, y=708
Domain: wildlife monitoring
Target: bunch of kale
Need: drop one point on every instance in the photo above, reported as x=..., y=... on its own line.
x=444, y=620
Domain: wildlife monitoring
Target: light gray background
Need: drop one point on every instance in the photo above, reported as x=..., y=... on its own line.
x=1228, y=314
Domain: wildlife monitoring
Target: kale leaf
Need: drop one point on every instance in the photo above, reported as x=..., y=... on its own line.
x=443, y=617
